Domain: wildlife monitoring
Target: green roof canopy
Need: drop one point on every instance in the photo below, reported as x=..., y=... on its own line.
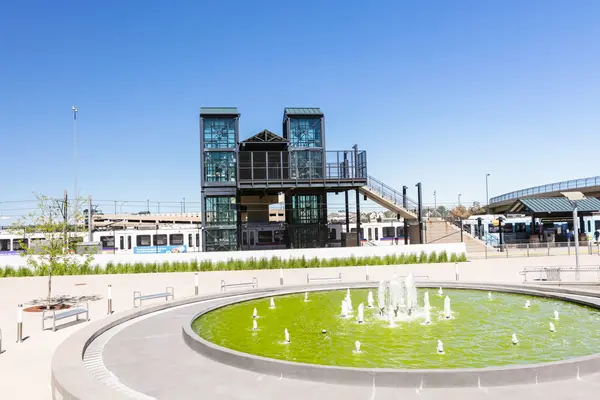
x=219, y=111
x=303, y=111
x=554, y=205
x=265, y=136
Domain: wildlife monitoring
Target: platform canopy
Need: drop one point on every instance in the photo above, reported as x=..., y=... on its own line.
x=554, y=206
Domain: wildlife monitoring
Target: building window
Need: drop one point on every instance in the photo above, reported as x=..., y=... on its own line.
x=176, y=239
x=306, y=209
x=399, y=231
x=370, y=237
x=108, y=242
x=376, y=233
x=219, y=166
x=220, y=239
x=121, y=243
x=143, y=240
x=4, y=244
x=160, y=240
x=220, y=210
x=219, y=133
x=197, y=240
x=20, y=244
x=305, y=132
x=332, y=234
x=388, y=231
x=306, y=164
x=265, y=237
x=129, y=242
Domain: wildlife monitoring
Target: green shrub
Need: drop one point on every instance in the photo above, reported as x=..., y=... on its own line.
x=462, y=257
x=453, y=258
x=24, y=271
x=433, y=258
x=422, y=258
x=443, y=257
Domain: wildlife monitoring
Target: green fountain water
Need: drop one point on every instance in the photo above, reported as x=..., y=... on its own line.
x=478, y=334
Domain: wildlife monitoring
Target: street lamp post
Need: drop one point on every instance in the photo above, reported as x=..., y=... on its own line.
x=574, y=197
x=487, y=196
x=75, y=151
x=434, y=203
x=147, y=204
x=459, y=198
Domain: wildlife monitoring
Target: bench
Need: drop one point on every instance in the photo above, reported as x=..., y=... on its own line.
x=68, y=313
x=169, y=292
x=253, y=284
x=324, y=279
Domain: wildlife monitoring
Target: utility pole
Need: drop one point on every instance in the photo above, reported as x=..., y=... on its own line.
x=487, y=196
x=75, y=149
x=434, y=202
x=184, y=205
x=65, y=220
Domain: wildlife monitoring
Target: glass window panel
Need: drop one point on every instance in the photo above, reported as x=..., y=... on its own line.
x=176, y=239
x=143, y=240
x=305, y=132
x=306, y=164
x=219, y=166
x=220, y=210
x=219, y=133
x=220, y=239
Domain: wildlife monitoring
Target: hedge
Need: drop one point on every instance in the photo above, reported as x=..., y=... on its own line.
x=235, y=265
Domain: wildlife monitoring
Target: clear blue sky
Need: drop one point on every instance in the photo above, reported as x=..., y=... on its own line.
x=440, y=92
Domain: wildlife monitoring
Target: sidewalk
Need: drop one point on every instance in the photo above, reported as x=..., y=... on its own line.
x=25, y=367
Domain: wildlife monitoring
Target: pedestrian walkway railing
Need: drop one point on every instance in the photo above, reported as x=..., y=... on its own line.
x=561, y=273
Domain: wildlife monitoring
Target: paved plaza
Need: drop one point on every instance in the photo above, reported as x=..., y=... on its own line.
x=25, y=367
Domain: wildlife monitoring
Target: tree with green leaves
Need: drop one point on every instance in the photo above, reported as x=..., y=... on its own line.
x=50, y=236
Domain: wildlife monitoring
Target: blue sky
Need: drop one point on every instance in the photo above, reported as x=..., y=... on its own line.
x=436, y=91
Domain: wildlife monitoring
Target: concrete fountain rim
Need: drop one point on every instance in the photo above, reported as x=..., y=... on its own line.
x=438, y=377
x=71, y=378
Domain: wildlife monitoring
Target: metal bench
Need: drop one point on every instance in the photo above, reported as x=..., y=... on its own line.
x=68, y=313
x=324, y=279
x=169, y=292
x=556, y=273
x=253, y=284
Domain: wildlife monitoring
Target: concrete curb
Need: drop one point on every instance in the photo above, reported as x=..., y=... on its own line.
x=413, y=378
x=71, y=380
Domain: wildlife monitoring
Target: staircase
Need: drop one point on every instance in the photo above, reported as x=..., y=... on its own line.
x=440, y=231
x=389, y=198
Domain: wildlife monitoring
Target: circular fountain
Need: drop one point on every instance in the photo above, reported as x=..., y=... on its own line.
x=473, y=333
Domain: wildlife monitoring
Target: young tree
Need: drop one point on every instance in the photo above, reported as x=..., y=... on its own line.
x=50, y=235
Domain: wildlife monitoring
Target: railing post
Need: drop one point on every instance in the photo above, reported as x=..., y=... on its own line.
x=527, y=249
x=548, y=243
x=461, y=230
x=569, y=245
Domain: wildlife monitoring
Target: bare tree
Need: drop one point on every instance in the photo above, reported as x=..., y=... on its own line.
x=50, y=235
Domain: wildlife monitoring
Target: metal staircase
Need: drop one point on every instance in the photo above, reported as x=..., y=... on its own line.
x=389, y=198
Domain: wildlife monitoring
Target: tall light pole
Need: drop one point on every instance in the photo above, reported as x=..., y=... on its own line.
x=487, y=196
x=459, y=198
x=434, y=202
x=575, y=197
x=75, y=151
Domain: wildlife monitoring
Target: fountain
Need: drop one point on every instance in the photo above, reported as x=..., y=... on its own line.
x=489, y=295
x=392, y=324
x=440, y=347
x=255, y=313
x=361, y=313
x=440, y=292
x=381, y=297
x=411, y=293
x=287, y=335
x=556, y=315
x=254, y=325
x=357, y=347
x=552, y=328
x=515, y=340
x=427, y=316
x=306, y=297
x=447, y=309
x=344, y=309
x=272, y=304
x=395, y=295
x=349, y=302
x=426, y=305
x=370, y=299
x=527, y=304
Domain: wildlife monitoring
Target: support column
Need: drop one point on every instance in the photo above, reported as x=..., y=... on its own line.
x=420, y=212
x=238, y=204
x=347, y=212
x=358, y=217
x=404, y=205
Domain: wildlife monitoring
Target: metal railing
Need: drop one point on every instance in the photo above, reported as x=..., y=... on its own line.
x=392, y=195
x=551, y=187
x=557, y=273
x=536, y=250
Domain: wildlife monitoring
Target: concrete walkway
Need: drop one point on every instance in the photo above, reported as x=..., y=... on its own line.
x=25, y=367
